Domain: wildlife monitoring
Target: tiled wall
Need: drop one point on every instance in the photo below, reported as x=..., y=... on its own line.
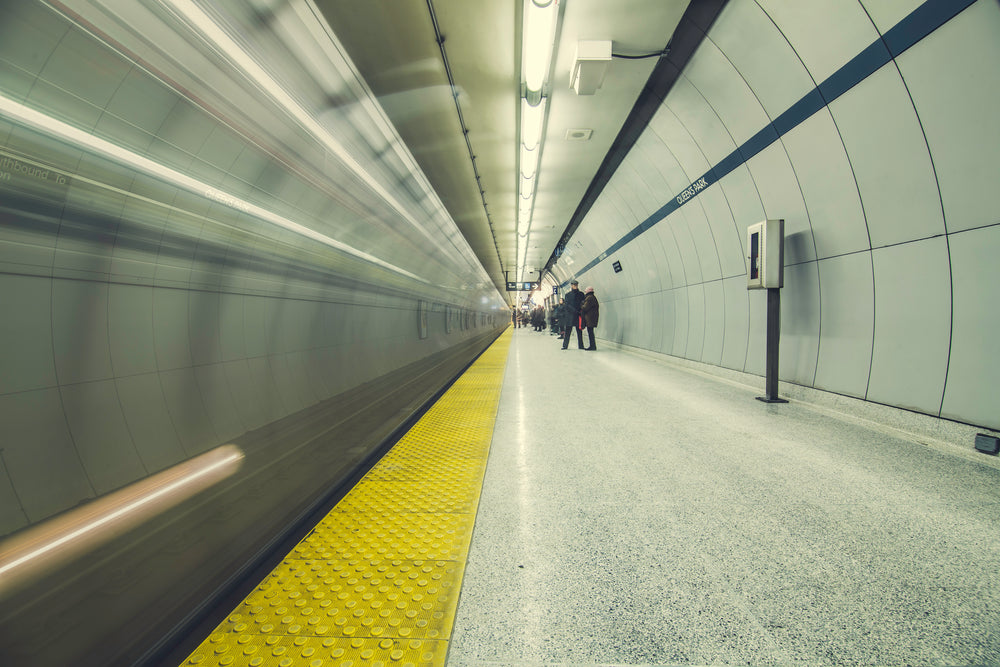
x=871, y=129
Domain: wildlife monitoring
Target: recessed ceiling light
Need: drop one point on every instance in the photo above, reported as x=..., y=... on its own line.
x=578, y=134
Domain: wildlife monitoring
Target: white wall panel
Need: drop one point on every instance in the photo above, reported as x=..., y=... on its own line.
x=696, y=322
x=743, y=199
x=690, y=260
x=682, y=322
x=728, y=239
x=782, y=198
x=213, y=386
x=305, y=387
x=320, y=381
x=255, y=329
x=735, y=320
x=627, y=282
x=609, y=326
x=715, y=330
x=704, y=241
x=889, y=156
x=80, y=331
x=912, y=325
x=181, y=135
x=289, y=319
x=653, y=306
x=170, y=328
x=48, y=475
x=644, y=178
x=100, y=435
x=670, y=265
x=658, y=275
x=286, y=385
x=187, y=412
x=638, y=254
x=762, y=56
x=625, y=324
x=242, y=390
x=31, y=37
x=263, y=392
x=219, y=151
x=665, y=309
x=662, y=168
x=136, y=110
x=726, y=92
x=955, y=83
x=203, y=323
x=824, y=175
x=12, y=517
x=25, y=334
x=974, y=370
x=63, y=88
x=848, y=310
x=231, y=327
x=130, y=329
x=148, y=421
x=800, y=324
x=809, y=26
x=682, y=147
x=700, y=120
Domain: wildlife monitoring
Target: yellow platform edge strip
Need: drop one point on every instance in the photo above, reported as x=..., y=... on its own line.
x=377, y=581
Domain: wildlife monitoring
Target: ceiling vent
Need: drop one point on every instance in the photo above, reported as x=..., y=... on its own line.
x=578, y=134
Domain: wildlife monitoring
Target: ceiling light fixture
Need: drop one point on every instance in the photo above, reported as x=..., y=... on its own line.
x=532, y=119
x=540, y=20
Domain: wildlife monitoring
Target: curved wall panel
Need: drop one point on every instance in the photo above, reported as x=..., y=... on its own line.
x=188, y=254
x=869, y=128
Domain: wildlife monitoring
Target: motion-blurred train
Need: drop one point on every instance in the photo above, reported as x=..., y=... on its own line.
x=225, y=286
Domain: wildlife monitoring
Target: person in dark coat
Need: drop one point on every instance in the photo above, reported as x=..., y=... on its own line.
x=590, y=310
x=573, y=300
x=559, y=326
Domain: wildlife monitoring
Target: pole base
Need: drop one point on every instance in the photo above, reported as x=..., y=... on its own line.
x=765, y=399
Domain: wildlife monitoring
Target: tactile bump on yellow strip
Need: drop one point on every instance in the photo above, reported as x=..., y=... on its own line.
x=376, y=582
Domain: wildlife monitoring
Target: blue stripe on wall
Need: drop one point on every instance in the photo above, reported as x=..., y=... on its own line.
x=920, y=23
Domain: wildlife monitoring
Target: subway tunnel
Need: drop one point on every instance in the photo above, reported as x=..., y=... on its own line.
x=245, y=245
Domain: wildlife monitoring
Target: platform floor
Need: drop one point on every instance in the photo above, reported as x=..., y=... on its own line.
x=637, y=513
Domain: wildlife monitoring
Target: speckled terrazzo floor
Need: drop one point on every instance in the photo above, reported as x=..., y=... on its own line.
x=634, y=513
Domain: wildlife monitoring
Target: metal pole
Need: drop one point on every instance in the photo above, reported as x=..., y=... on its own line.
x=773, y=337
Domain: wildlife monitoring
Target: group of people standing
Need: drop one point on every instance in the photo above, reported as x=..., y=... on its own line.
x=578, y=310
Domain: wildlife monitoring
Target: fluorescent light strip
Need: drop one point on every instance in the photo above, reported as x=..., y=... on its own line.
x=532, y=119
x=19, y=113
x=539, y=32
x=241, y=59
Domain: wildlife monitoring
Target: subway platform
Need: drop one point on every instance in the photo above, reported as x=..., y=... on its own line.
x=611, y=508
x=635, y=512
